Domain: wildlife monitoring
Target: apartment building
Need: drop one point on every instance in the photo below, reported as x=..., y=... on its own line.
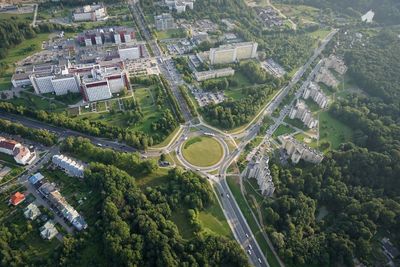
x=95, y=12
x=258, y=169
x=316, y=94
x=107, y=35
x=179, y=5
x=233, y=52
x=164, y=22
x=297, y=150
x=69, y=165
x=212, y=74
x=300, y=111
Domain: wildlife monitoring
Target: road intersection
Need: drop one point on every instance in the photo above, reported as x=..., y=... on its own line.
x=196, y=126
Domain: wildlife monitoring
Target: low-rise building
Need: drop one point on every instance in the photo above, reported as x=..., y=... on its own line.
x=130, y=52
x=35, y=178
x=17, y=198
x=300, y=111
x=233, y=52
x=22, y=155
x=69, y=165
x=31, y=212
x=316, y=94
x=48, y=230
x=211, y=74
x=297, y=150
x=165, y=21
x=257, y=168
x=336, y=63
x=95, y=12
x=389, y=249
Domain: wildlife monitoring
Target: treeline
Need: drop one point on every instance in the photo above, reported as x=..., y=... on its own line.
x=95, y=128
x=185, y=94
x=37, y=135
x=172, y=99
x=353, y=187
x=13, y=32
x=136, y=228
x=130, y=162
x=182, y=65
x=386, y=11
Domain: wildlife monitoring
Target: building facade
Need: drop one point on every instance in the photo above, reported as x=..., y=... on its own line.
x=300, y=111
x=297, y=150
x=233, y=52
x=258, y=169
x=212, y=74
x=70, y=166
x=316, y=94
x=90, y=13
x=164, y=22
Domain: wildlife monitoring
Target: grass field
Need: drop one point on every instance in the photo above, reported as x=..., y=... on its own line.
x=283, y=129
x=213, y=221
x=333, y=131
x=172, y=33
x=202, y=151
x=300, y=14
x=15, y=54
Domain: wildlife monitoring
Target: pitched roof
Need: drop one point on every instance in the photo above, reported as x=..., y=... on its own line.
x=17, y=198
x=8, y=144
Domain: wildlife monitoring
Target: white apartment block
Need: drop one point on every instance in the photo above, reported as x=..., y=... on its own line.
x=233, y=52
x=69, y=165
x=164, y=22
x=316, y=94
x=211, y=74
x=180, y=5
x=297, y=150
x=300, y=111
x=258, y=168
x=90, y=13
x=22, y=155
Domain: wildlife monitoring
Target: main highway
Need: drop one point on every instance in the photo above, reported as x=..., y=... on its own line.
x=236, y=220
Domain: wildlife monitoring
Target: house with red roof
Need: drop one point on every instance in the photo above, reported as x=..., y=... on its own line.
x=17, y=198
x=22, y=155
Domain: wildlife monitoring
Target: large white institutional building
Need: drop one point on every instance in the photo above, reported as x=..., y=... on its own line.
x=258, y=168
x=232, y=52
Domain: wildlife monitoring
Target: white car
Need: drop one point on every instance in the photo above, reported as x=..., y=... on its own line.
x=248, y=251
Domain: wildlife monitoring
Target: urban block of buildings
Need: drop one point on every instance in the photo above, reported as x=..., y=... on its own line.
x=211, y=74
x=107, y=35
x=233, y=52
x=336, y=63
x=314, y=91
x=165, y=21
x=297, y=150
x=300, y=111
x=68, y=165
x=94, y=81
x=22, y=155
x=31, y=212
x=180, y=5
x=50, y=192
x=258, y=168
x=48, y=230
x=95, y=12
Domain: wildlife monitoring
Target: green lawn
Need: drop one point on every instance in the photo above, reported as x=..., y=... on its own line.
x=300, y=14
x=37, y=102
x=172, y=33
x=15, y=54
x=333, y=131
x=283, y=129
x=202, y=151
x=213, y=221
x=296, y=123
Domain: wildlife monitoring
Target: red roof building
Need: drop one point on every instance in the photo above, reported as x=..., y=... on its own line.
x=17, y=198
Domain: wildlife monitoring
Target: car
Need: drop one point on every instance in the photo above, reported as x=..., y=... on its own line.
x=248, y=251
x=259, y=260
x=227, y=195
x=250, y=247
x=247, y=235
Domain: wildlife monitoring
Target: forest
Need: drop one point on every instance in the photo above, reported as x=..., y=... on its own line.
x=358, y=185
x=386, y=11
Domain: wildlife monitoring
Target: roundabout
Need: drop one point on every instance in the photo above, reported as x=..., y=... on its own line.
x=202, y=151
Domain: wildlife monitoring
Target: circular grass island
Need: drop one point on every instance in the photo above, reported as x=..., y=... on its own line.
x=202, y=151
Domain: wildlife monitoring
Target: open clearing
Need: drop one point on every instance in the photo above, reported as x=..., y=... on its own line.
x=202, y=151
